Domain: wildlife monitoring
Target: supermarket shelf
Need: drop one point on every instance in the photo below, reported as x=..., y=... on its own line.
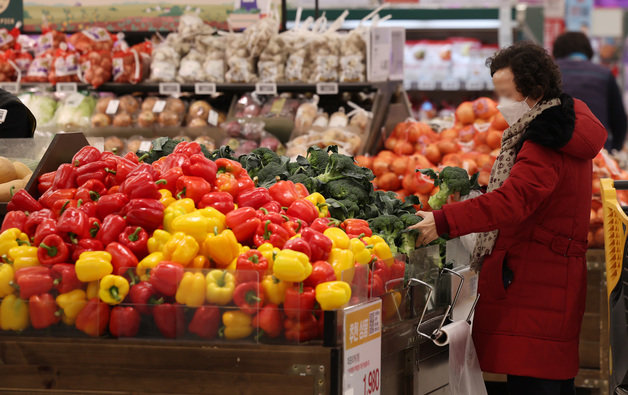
x=451, y=86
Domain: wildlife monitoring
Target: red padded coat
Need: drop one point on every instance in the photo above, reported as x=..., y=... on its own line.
x=532, y=327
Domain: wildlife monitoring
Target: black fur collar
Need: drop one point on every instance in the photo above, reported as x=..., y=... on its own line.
x=553, y=127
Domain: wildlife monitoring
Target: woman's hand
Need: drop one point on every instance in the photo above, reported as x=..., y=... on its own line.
x=426, y=228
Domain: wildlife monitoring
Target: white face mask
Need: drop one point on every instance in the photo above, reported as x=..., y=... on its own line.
x=512, y=110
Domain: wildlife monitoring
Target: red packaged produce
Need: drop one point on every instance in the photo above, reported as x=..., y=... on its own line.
x=92, y=39
x=39, y=68
x=65, y=66
x=96, y=67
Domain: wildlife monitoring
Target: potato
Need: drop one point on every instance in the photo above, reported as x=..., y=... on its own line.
x=8, y=187
x=22, y=170
x=7, y=170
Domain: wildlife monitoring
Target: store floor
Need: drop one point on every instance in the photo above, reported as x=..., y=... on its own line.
x=500, y=389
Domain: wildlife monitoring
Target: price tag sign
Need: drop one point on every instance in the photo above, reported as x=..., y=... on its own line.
x=145, y=146
x=3, y=115
x=451, y=85
x=475, y=85
x=169, y=88
x=67, y=87
x=204, y=88
x=426, y=85
x=11, y=87
x=112, y=107
x=362, y=346
x=74, y=99
x=212, y=119
x=266, y=88
x=327, y=88
x=159, y=106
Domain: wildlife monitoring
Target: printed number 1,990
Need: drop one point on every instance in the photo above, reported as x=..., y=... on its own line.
x=371, y=382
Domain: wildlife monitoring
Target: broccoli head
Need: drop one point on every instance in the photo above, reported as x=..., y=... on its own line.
x=388, y=227
x=450, y=180
x=342, y=209
x=346, y=189
x=318, y=159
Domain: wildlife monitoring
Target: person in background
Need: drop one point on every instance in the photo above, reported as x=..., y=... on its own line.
x=16, y=120
x=592, y=83
x=535, y=221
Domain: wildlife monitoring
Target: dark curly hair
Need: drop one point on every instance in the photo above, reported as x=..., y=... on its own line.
x=535, y=73
x=572, y=42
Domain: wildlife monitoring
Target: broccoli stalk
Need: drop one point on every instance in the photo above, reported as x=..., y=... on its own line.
x=388, y=227
x=450, y=180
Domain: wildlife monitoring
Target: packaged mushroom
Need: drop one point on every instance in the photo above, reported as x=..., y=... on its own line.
x=240, y=67
x=296, y=47
x=213, y=66
x=271, y=64
x=161, y=112
x=164, y=64
x=324, y=52
x=353, y=57
x=191, y=67
x=118, y=112
x=258, y=35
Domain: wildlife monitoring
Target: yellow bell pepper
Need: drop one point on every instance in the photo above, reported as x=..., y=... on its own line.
x=93, y=265
x=200, y=223
x=237, y=325
x=166, y=198
x=192, y=289
x=269, y=252
x=145, y=265
x=6, y=278
x=71, y=303
x=220, y=287
x=158, y=240
x=380, y=249
x=10, y=238
x=199, y=262
x=23, y=256
x=343, y=263
x=181, y=248
x=321, y=205
x=274, y=289
x=93, y=288
x=292, y=266
x=113, y=289
x=14, y=314
x=333, y=295
x=361, y=254
x=175, y=209
x=338, y=238
x=222, y=247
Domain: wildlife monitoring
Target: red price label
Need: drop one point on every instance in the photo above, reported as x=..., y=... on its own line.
x=371, y=382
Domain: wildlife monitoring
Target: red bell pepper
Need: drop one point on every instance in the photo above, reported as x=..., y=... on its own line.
x=124, y=167
x=144, y=296
x=33, y=280
x=49, y=197
x=250, y=266
x=60, y=206
x=269, y=320
x=302, y=191
x=111, y=204
x=169, y=179
x=14, y=219
x=322, y=224
x=299, y=244
x=165, y=277
x=274, y=217
x=229, y=166
x=135, y=239
x=375, y=286
x=301, y=330
x=272, y=207
x=52, y=250
x=397, y=270
x=271, y=233
x=111, y=227
x=140, y=186
x=88, y=207
x=43, y=311
x=175, y=160
x=23, y=201
x=187, y=148
x=91, y=190
x=356, y=228
x=249, y=297
x=320, y=245
x=122, y=259
x=94, y=226
x=294, y=226
x=245, y=183
x=206, y=322
x=169, y=319
x=243, y=222
x=192, y=187
x=255, y=198
x=303, y=209
x=65, y=279
x=200, y=166
x=146, y=213
x=86, y=245
x=227, y=182
x=221, y=201
x=381, y=269
x=144, y=168
x=132, y=156
x=124, y=321
x=360, y=280
x=284, y=192
x=322, y=272
x=92, y=171
x=87, y=154
x=94, y=318
x=65, y=177
x=74, y=224
x=46, y=227
x=299, y=301
x=34, y=219
x=44, y=182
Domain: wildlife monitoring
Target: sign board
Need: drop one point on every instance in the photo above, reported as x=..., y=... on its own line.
x=397, y=49
x=362, y=349
x=378, y=56
x=11, y=12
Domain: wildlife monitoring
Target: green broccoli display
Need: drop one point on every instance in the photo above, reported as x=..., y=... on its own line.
x=450, y=180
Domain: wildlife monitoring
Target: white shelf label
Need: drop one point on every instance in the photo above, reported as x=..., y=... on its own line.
x=74, y=99
x=327, y=88
x=66, y=87
x=266, y=88
x=3, y=115
x=159, y=106
x=212, y=119
x=145, y=146
x=11, y=87
x=204, y=88
x=451, y=85
x=169, y=88
x=112, y=107
x=475, y=85
x=426, y=85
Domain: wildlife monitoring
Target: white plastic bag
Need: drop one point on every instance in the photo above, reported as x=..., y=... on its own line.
x=468, y=241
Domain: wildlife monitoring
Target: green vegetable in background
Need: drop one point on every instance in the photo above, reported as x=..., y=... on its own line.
x=42, y=106
x=450, y=180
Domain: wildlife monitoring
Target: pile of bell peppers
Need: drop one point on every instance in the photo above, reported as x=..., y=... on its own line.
x=191, y=243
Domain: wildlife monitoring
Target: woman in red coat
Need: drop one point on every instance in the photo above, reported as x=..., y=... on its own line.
x=535, y=219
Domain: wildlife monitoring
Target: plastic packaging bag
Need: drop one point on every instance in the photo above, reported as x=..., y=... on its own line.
x=165, y=63
x=214, y=63
x=132, y=65
x=161, y=112
x=239, y=61
x=39, y=68
x=96, y=67
x=75, y=110
x=353, y=57
x=64, y=66
x=8, y=39
x=118, y=112
x=92, y=39
x=191, y=67
x=9, y=70
x=50, y=39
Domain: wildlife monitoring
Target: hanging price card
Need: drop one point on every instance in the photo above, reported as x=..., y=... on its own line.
x=169, y=88
x=266, y=88
x=11, y=87
x=327, y=88
x=66, y=87
x=204, y=88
